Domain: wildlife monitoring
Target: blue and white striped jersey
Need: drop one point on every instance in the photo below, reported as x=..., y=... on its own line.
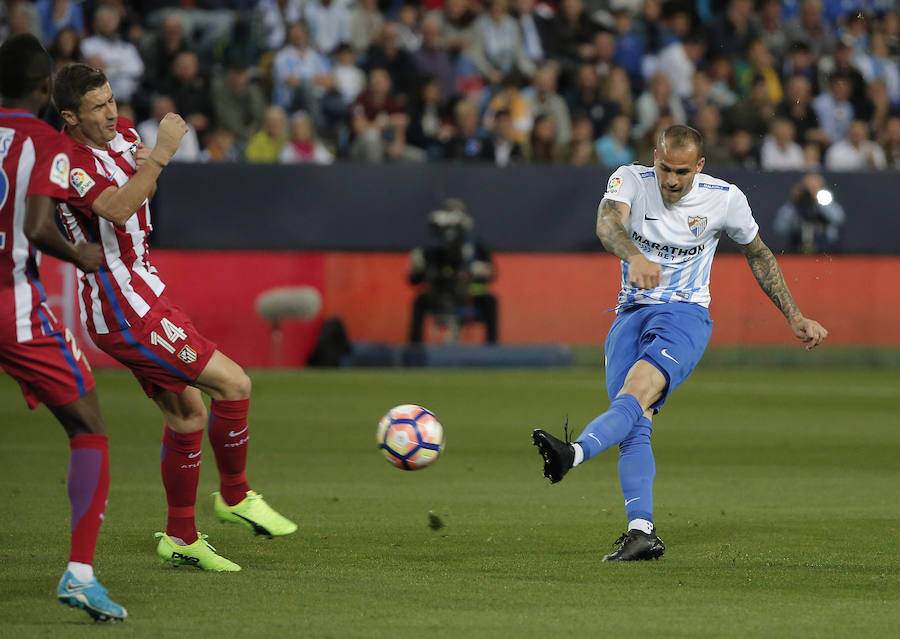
x=682, y=237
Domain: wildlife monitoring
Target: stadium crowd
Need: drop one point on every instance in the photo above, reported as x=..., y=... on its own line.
x=796, y=85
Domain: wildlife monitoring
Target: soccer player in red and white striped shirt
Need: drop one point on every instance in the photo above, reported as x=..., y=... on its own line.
x=128, y=315
x=35, y=348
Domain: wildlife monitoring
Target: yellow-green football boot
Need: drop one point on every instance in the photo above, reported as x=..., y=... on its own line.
x=255, y=514
x=199, y=554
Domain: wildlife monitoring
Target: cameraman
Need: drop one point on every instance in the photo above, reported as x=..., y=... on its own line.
x=811, y=217
x=456, y=271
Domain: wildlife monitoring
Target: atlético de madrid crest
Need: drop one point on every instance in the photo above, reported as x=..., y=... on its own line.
x=697, y=225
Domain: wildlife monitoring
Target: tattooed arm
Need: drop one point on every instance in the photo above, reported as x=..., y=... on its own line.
x=611, y=219
x=770, y=279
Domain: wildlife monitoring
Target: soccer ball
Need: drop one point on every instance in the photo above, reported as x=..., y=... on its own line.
x=410, y=437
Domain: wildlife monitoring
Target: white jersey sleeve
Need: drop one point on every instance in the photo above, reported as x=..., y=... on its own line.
x=739, y=222
x=623, y=186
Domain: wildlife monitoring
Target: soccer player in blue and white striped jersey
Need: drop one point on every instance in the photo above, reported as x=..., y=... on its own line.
x=664, y=224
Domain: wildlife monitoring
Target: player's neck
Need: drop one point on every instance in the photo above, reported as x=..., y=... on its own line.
x=78, y=135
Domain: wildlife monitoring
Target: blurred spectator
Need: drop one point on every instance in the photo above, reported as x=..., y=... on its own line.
x=541, y=146
x=497, y=45
x=715, y=148
x=878, y=65
x=302, y=146
x=811, y=218
x=650, y=27
x=429, y=128
x=468, y=143
x=797, y=107
x=329, y=23
x=270, y=20
x=780, y=151
x=456, y=22
x=890, y=141
x=629, y=46
x=645, y=145
x=117, y=58
x=581, y=151
x=800, y=61
x=378, y=124
x=386, y=53
x=657, y=99
x=721, y=74
x=603, y=53
x=759, y=63
x=408, y=32
x=700, y=96
x=188, y=150
x=842, y=63
x=265, y=145
x=546, y=101
x=856, y=152
x=511, y=100
x=614, y=148
x=586, y=97
x=771, y=27
x=301, y=75
x=618, y=91
x=743, y=150
x=189, y=89
x=221, y=147
x=754, y=112
x=506, y=149
x=833, y=108
x=160, y=51
x=238, y=104
x=19, y=16
x=59, y=14
x=877, y=105
x=812, y=156
x=65, y=48
x=530, y=30
x=809, y=27
x=365, y=22
x=679, y=61
x=433, y=58
x=570, y=35
x=349, y=79
x=734, y=29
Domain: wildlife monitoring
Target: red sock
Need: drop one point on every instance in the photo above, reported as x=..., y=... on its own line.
x=180, y=465
x=229, y=435
x=88, y=489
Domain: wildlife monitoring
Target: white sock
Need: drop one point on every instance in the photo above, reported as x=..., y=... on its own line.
x=579, y=454
x=641, y=524
x=82, y=572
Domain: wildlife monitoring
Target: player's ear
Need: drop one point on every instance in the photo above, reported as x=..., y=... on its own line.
x=70, y=117
x=700, y=165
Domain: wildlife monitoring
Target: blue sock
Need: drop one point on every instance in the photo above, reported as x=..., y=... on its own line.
x=636, y=471
x=611, y=427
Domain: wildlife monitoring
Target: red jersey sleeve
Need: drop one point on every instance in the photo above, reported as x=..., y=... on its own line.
x=50, y=175
x=127, y=129
x=86, y=182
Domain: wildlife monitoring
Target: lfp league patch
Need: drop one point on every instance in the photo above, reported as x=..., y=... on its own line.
x=615, y=183
x=81, y=181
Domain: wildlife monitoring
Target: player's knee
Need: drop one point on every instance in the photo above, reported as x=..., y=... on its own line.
x=238, y=386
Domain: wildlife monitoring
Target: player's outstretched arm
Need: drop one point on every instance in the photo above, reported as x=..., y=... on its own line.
x=770, y=279
x=118, y=204
x=611, y=218
x=41, y=230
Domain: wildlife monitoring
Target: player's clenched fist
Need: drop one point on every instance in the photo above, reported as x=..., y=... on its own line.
x=810, y=332
x=643, y=273
x=90, y=256
x=171, y=129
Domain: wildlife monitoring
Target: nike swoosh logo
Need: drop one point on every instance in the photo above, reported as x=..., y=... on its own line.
x=192, y=455
x=628, y=501
x=231, y=433
x=665, y=354
x=78, y=588
x=651, y=219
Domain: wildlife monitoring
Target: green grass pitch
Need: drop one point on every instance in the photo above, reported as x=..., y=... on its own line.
x=776, y=494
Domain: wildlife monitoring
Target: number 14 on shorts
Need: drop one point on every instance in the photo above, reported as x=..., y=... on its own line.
x=173, y=334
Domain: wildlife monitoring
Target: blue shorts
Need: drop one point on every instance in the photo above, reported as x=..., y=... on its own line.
x=670, y=336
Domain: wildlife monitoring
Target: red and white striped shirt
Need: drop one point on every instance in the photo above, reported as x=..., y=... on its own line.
x=127, y=285
x=34, y=160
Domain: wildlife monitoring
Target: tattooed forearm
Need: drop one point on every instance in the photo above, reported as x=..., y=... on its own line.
x=611, y=229
x=768, y=274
